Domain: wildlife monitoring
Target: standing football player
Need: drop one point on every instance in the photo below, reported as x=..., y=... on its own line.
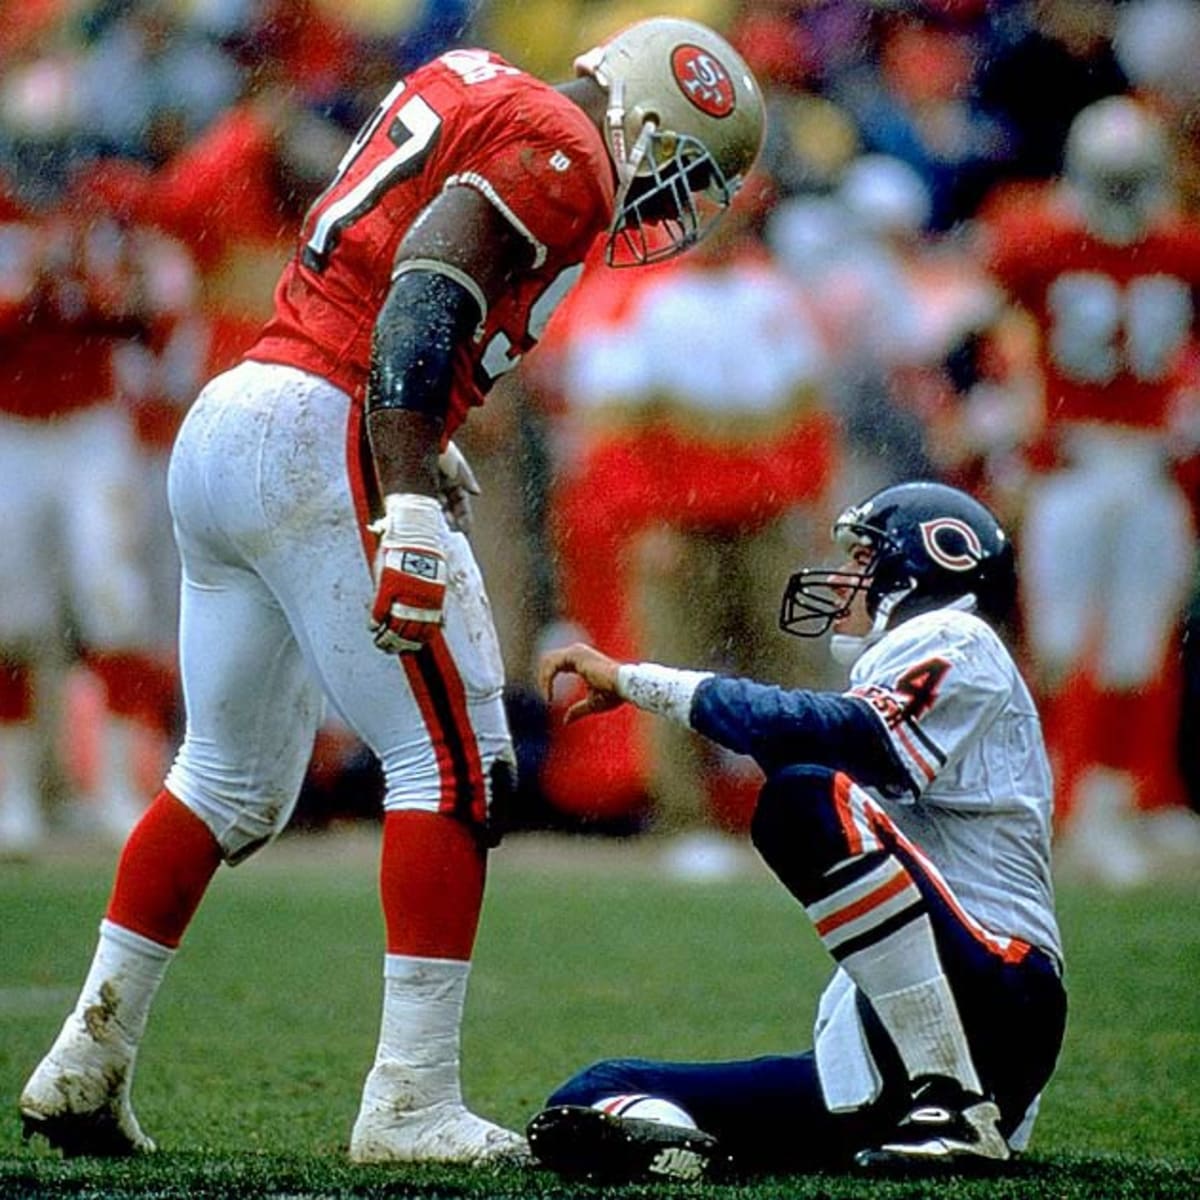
x=910, y=816
x=1107, y=271
x=314, y=490
x=78, y=293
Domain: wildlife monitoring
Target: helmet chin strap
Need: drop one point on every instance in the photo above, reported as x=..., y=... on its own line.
x=627, y=165
x=625, y=162
x=847, y=648
x=614, y=118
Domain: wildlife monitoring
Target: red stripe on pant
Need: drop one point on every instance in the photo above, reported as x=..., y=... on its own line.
x=432, y=673
x=871, y=900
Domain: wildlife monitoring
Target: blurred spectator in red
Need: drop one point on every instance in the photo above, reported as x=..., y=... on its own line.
x=1107, y=271
x=776, y=47
x=696, y=425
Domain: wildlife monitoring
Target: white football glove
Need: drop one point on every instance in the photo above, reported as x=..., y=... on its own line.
x=410, y=573
x=456, y=485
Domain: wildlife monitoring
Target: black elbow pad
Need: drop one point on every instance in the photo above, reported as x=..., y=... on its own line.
x=425, y=317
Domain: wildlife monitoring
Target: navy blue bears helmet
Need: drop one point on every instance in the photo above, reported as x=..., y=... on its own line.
x=930, y=545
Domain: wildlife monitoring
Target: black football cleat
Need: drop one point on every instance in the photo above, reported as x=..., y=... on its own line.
x=587, y=1144
x=945, y=1129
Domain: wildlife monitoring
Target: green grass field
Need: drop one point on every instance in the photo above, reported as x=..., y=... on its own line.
x=265, y=1027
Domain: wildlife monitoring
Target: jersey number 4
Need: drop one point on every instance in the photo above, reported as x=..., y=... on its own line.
x=919, y=686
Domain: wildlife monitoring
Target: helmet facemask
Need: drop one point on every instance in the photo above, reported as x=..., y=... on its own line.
x=1120, y=206
x=817, y=597
x=671, y=194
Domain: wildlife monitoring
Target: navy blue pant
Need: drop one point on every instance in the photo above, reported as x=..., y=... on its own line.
x=769, y=1112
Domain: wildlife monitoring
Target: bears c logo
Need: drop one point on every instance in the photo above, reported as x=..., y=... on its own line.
x=703, y=80
x=951, y=543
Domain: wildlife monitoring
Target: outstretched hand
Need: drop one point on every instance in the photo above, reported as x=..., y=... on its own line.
x=598, y=672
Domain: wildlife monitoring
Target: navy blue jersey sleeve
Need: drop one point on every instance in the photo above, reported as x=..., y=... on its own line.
x=781, y=727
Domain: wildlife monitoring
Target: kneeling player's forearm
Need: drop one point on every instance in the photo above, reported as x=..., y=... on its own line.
x=665, y=691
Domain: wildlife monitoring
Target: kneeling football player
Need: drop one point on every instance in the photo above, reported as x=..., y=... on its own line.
x=910, y=817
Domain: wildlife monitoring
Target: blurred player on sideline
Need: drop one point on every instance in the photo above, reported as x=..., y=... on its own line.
x=910, y=816
x=317, y=557
x=715, y=365
x=1107, y=271
x=78, y=291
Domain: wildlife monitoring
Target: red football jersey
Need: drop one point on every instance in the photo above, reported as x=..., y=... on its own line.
x=1115, y=321
x=466, y=118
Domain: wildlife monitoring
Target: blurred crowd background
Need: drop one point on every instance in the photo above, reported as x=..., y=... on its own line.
x=683, y=438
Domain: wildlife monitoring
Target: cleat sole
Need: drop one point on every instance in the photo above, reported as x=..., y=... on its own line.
x=587, y=1144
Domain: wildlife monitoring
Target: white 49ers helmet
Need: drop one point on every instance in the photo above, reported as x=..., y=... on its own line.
x=684, y=126
x=1118, y=162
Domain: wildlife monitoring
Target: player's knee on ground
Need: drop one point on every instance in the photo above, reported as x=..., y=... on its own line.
x=796, y=827
x=611, y=1077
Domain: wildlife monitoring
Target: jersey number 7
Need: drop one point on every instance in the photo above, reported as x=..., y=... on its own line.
x=412, y=132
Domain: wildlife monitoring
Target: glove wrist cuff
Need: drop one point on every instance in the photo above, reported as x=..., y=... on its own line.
x=411, y=519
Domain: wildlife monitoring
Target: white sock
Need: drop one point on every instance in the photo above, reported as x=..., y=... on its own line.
x=419, y=1035
x=126, y=971
x=902, y=977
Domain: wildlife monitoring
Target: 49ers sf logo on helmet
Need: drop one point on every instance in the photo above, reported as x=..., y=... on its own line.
x=703, y=80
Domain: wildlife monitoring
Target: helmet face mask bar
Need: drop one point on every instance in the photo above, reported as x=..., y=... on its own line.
x=672, y=205
x=816, y=597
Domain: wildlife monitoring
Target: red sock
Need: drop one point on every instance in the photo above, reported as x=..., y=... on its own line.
x=164, y=871
x=431, y=877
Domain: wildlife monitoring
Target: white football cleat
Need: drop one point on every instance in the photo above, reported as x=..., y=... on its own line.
x=78, y=1098
x=22, y=825
x=446, y=1132
x=1101, y=842
x=946, y=1127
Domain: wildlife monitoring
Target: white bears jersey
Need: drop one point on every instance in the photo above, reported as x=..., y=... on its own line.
x=967, y=777
x=961, y=720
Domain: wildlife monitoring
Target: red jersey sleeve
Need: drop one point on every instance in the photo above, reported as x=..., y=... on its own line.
x=550, y=181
